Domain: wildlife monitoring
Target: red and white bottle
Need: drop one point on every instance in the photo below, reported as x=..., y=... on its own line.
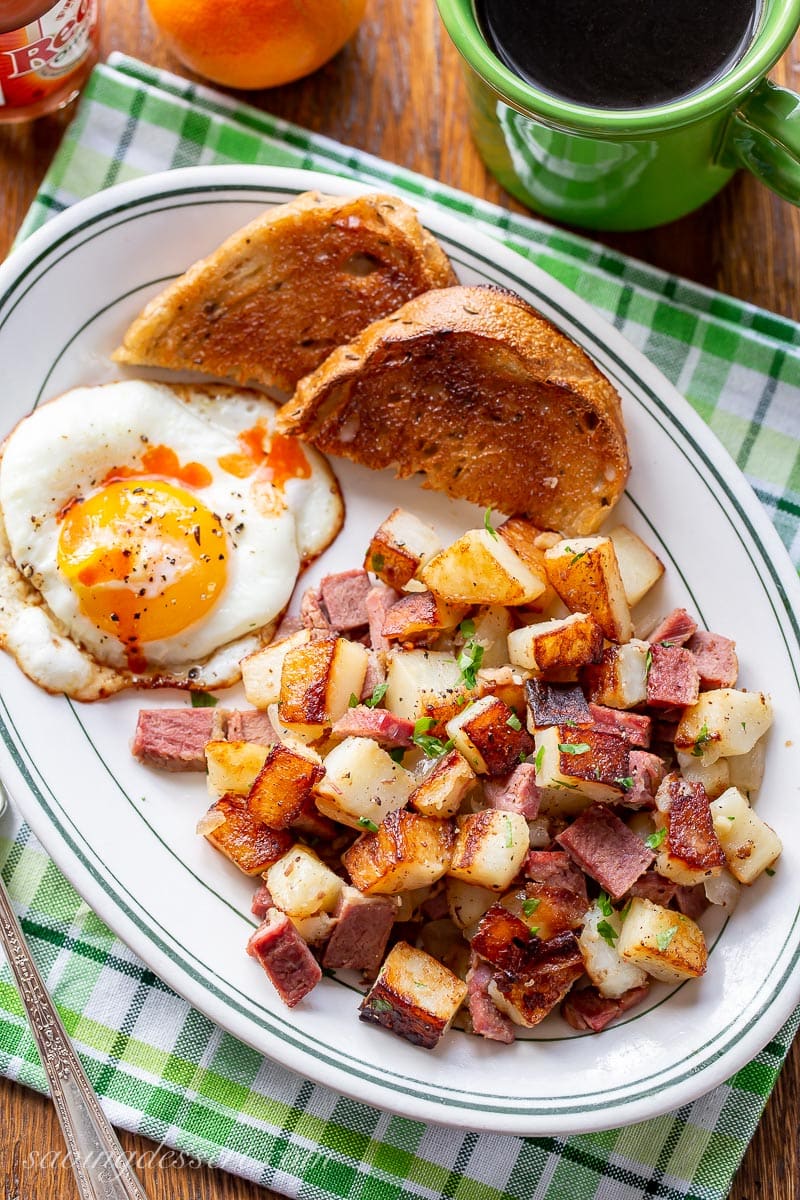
x=46, y=53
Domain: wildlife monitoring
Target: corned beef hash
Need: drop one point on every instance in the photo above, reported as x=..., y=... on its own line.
x=465, y=776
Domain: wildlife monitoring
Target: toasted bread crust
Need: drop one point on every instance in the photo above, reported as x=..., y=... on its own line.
x=277, y=296
x=472, y=387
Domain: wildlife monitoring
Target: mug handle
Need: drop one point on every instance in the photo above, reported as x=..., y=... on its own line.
x=763, y=134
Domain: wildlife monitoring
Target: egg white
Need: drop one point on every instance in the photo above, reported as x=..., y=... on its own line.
x=65, y=449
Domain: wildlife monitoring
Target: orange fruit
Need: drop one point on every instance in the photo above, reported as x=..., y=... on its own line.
x=256, y=43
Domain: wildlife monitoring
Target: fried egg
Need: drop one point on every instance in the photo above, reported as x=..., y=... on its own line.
x=153, y=533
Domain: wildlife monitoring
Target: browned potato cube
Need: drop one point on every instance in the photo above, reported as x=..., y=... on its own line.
x=317, y=682
x=232, y=766
x=530, y=544
x=490, y=848
x=444, y=787
x=414, y=996
x=559, y=645
x=586, y=575
x=400, y=546
x=420, y=613
x=490, y=736
x=261, y=670
x=283, y=786
x=407, y=851
x=665, y=943
x=249, y=844
x=481, y=568
x=619, y=679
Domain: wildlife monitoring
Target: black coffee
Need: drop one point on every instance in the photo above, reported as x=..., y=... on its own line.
x=619, y=53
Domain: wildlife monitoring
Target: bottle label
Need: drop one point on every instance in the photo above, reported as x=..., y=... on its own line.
x=37, y=59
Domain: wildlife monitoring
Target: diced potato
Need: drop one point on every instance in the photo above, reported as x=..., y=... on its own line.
x=748, y=843
x=481, y=568
x=414, y=996
x=233, y=766
x=562, y=773
x=301, y=885
x=251, y=846
x=408, y=851
x=506, y=683
x=639, y=567
x=746, y=771
x=611, y=974
x=492, y=627
x=664, y=943
x=619, y=679
x=261, y=670
x=362, y=784
x=444, y=787
x=724, y=722
x=467, y=902
x=715, y=777
x=530, y=544
x=299, y=737
x=283, y=786
x=586, y=575
x=400, y=546
x=563, y=644
x=318, y=680
x=420, y=613
x=490, y=848
x=424, y=683
x=489, y=736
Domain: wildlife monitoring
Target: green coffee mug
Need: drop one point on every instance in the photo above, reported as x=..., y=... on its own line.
x=632, y=169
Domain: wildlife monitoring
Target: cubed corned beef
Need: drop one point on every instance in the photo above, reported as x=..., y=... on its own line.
x=633, y=728
x=262, y=902
x=646, y=772
x=377, y=724
x=692, y=901
x=344, y=596
x=587, y=1009
x=250, y=725
x=363, y=925
x=516, y=792
x=715, y=658
x=604, y=847
x=672, y=678
x=312, y=614
x=555, y=868
x=378, y=601
x=487, y=1020
x=289, y=624
x=654, y=887
x=676, y=628
x=285, y=957
x=175, y=739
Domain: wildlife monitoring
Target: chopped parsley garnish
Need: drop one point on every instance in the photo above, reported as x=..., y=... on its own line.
x=648, y=662
x=397, y=754
x=365, y=823
x=530, y=905
x=467, y=628
x=624, y=911
x=604, y=904
x=626, y=783
x=379, y=1004
x=768, y=870
x=353, y=701
x=377, y=562
x=487, y=523
x=533, y=930
x=514, y=722
x=607, y=932
x=537, y=762
x=664, y=938
x=575, y=557
x=469, y=662
x=509, y=832
x=204, y=700
x=656, y=839
x=432, y=746
x=377, y=695
x=700, y=741
x=574, y=747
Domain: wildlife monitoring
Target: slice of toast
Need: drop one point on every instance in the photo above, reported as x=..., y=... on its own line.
x=473, y=388
x=277, y=296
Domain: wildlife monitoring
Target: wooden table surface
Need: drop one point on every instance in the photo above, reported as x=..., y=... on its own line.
x=396, y=91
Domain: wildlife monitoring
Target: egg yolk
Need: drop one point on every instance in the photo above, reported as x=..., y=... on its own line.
x=146, y=560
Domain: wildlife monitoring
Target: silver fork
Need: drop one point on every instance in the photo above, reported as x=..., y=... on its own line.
x=102, y=1171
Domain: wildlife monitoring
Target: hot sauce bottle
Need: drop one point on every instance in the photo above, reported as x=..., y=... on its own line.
x=46, y=53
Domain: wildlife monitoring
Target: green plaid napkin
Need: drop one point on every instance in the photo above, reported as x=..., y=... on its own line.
x=162, y=1068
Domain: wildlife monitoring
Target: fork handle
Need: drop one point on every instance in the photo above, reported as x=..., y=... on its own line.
x=102, y=1171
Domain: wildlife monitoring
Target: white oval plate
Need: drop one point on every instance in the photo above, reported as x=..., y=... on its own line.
x=125, y=837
